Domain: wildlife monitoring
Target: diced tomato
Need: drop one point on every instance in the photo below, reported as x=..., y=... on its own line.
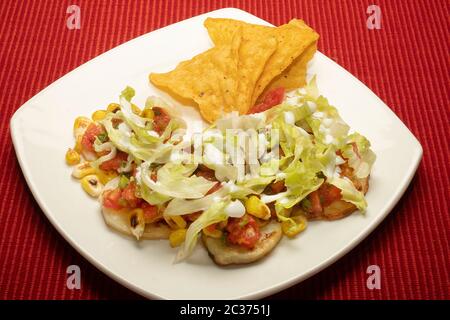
x=129, y=195
x=208, y=174
x=111, y=199
x=150, y=211
x=160, y=120
x=216, y=187
x=115, y=162
x=272, y=98
x=277, y=187
x=191, y=217
x=212, y=227
x=323, y=197
x=316, y=206
x=118, y=199
x=328, y=194
x=243, y=231
x=92, y=131
x=205, y=172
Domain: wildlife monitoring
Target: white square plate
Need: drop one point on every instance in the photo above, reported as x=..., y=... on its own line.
x=42, y=131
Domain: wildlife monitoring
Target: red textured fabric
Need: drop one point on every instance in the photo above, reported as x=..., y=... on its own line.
x=406, y=63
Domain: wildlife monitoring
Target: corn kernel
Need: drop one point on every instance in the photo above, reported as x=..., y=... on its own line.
x=175, y=222
x=113, y=107
x=135, y=109
x=177, y=237
x=72, y=157
x=293, y=226
x=83, y=169
x=257, y=208
x=92, y=185
x=78, y=146
x=99, y=115
x=147, y=113
x=106, y=176
x=215, y=233
x=137, y=222
x=80, y=123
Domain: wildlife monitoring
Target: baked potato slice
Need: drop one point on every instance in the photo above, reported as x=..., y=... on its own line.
x=119, y=221
x=341, y=209
x=224, y=254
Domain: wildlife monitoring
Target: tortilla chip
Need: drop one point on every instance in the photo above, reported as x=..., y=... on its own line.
x=252, y=59
x=295, y=75
x=292, y=39
x=210, y=79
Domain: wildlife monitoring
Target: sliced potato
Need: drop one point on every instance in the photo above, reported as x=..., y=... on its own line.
x=340, y=209
x=224, y=254
x=119, y=221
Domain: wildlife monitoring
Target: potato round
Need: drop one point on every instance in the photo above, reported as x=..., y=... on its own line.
x=224, y=254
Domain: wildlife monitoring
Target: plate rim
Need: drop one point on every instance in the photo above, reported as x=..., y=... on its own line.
x=364, y=233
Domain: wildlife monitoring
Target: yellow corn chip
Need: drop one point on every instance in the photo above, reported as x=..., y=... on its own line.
x=293, y=39
x=295, y=75
x=252, y=59
x=210, y=79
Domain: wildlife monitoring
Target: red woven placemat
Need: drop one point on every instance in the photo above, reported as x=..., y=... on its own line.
x=406, y=63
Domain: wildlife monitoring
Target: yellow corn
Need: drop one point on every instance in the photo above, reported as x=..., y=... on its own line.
x=147, y=113
x=293, y=226
x=175, y=222
x=92, y=185
x=135, y=109
x=213, y=234
x=113, y=107
x=257, y=208
x=177, y=237
x=99, y=115
x=80, y=124
x=137, y=222
x=72, y=157
x=106, y=176
x=78, y=147
x=83, y=169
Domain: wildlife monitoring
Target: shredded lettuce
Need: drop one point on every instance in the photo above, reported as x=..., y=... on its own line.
x=107, y=146
x=244, y=122
x=122, y=138
x=257, y=184
x=152, y=197
x=128, y=93
x=134, y=135
x=349, y=192
x=362, y=159
x=173, y=181
x=182, y=206
x=214, y=214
